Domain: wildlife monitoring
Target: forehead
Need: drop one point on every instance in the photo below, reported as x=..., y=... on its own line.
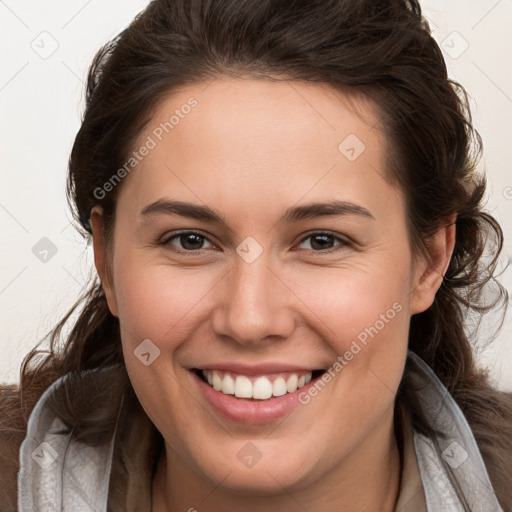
x=249, y=141
x=256, y=114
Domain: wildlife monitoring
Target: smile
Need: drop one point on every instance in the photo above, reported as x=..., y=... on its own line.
x=257, y=387
x=252, y=395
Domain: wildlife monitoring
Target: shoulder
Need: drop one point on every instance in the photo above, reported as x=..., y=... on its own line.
x=474, y=401
x=15, y=410
x=12, y=433
x=490, y=417
x=74, y=399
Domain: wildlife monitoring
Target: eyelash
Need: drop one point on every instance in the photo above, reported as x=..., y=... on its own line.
x=166, y=242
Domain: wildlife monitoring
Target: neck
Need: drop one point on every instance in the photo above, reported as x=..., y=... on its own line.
x=365, y=481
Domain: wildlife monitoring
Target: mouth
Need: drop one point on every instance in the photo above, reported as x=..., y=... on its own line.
x=256, y=387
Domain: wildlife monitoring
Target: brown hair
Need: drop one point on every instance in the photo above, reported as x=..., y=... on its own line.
x=379, y=48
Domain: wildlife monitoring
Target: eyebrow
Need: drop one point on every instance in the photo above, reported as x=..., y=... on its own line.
x=292, y=214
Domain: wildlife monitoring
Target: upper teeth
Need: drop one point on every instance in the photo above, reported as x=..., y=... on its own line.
x=262, y=388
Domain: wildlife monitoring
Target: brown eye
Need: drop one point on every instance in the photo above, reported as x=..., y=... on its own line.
x=188, y=240
x=322, y=241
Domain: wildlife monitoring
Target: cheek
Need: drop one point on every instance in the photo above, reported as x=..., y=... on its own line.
x=157, y=300
x=349, y=301
x=363, y=313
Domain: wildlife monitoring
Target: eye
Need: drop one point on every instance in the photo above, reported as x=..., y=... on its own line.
x=321, y=241
x=190, y=241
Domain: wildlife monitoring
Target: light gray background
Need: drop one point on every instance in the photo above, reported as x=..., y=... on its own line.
x=46, y=50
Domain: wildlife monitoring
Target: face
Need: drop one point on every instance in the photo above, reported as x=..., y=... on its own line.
x=259, y=288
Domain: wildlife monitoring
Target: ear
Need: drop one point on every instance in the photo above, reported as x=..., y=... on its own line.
x=100, y=257
x=431, y=268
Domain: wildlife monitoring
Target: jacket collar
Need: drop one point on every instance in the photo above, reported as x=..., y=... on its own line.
x=452, y=470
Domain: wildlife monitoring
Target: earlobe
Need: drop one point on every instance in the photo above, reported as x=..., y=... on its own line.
x=431, y=269
x=100, y=257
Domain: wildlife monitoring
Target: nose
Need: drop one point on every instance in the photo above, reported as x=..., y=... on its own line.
x=255, y=305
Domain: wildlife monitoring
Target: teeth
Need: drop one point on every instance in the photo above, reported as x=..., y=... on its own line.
x=228, y=385
x=243, y=387
x=261, y=389
x=291, y=383
x=217, y=381
x=279, y=387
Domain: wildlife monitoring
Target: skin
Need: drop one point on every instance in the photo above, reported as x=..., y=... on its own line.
x=250, y=149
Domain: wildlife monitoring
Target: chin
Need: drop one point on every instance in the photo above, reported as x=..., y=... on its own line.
x=264, y=481
x=267, y=476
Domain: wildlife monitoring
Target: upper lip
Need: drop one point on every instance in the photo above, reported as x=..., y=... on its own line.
x=257, y=369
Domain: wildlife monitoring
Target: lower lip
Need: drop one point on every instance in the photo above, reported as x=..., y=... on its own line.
x=251, y=411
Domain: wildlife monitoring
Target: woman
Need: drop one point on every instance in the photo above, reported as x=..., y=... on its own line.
x=289, y=237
